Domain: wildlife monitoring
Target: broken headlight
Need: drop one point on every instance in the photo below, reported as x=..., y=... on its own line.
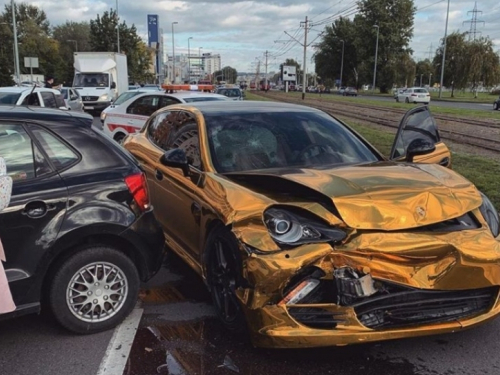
x=292, y=228
x=490, y=214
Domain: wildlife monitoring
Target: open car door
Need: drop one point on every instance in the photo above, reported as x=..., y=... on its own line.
x=418, y=141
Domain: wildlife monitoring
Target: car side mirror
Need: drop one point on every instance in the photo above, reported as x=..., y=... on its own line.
x=176, y=158
x=417, y=147
x=113, y=85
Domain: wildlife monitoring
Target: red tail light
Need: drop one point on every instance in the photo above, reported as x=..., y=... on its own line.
x=139, y=189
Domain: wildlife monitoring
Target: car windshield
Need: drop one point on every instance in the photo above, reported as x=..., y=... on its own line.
x=245, y=141
x=91, y=80
x=64, y=92
x=9, y=97
x=232, y=93
x=126, y=96
x=420, y=90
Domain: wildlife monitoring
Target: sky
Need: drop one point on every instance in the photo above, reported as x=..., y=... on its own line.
x=242, y=31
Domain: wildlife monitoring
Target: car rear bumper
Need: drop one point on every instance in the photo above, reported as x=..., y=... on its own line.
x=147, y=237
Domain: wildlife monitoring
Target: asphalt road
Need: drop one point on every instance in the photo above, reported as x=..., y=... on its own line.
x=436, y=103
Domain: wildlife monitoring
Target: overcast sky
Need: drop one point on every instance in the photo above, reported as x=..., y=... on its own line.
x=241, y=31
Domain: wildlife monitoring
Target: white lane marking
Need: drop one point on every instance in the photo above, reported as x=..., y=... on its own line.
x=116, y=356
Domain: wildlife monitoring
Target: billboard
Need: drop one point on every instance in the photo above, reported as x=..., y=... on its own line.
x=289, y=73
x=153, y=28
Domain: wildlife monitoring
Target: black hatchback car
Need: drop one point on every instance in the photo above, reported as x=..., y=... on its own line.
x=79, y=233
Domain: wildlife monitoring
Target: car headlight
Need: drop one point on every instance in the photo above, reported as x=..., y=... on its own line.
x=490, y=214
x=103, y=97
x=103, y=116
x=291, y=228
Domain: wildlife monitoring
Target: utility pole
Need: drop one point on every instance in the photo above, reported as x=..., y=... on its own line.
x=430, y=52
x=473, y=23
x=16, y=48
x=376, y=57
x=265, y=81
x=304, y=78
x=444, y=51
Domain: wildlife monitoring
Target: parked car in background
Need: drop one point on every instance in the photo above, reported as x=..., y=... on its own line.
x=130, y=116
x=72, y=98
x=350, y=91
x=396, y=92
x=39, y=97
x=122, y=98
x=308, y=236
x=80, y=228
x=496, y=104
x=233, y=93
x=414, y=95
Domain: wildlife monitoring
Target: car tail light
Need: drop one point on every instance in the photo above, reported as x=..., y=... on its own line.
x=139, y=189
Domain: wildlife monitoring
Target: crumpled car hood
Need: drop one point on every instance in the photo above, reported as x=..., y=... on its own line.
x=386, y=195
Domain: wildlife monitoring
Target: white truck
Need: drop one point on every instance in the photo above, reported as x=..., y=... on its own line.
x=99, y=78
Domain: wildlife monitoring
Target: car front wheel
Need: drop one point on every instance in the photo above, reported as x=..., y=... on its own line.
x=407, y=100
x=94, y=289
x=495, y=106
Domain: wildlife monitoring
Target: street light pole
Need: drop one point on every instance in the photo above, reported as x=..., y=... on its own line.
x=342, y=63
x=444, y=50
x=189, y=60
x=376, y=57
x=173, y=51
x=117, y=28
x=16, y=48
x=201, y=61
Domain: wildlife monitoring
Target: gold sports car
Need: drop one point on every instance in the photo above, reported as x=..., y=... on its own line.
x=308, y=236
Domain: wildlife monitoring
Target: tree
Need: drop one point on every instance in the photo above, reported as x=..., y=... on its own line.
x=72, y=37
x=394, y=19
x=103, y=38
x=227, y=74
x=328, y=55
x=483, y=63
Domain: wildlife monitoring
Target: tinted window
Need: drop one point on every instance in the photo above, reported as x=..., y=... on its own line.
x=65, y=93
x=165, y=100
x=9, y=98
x=60, y=101
x=144, y=106
x=59, y=154
x=421, y=91
x=176, y=130
x=246, y=141
x=49, y=99
x=125, y=96
x=31, y=99
x=17, y=149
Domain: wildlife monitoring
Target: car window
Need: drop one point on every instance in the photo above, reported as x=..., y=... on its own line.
x=176, y=129
x=126, y=96
x=241, y=142
x=31, y=99
x=65, y=93
x=24, y=160
x=144, y=106
x=60, y=101
x=166, y=100
x=59, y=154
x=203, y=99
x=49, y=99
x=9, y=98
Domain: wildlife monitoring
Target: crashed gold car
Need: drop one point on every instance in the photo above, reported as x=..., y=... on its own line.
x=308, y=236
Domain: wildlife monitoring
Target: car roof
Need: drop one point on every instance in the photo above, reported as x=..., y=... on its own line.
x=180, y=95
x=16, y=89
x=45, y=114
x=250, y=106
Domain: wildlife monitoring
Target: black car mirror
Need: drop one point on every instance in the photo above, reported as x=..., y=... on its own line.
x=417, y=147
x=176, y=158
x=113, y=85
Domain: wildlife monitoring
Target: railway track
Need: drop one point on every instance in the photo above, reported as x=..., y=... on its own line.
x=376, y=116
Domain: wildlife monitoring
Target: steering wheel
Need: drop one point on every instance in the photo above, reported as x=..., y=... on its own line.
x=322, y=150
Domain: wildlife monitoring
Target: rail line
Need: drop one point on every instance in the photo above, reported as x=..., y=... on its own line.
x=446, y=133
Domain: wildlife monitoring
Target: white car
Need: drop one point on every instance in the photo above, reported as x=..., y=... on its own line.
x=414, y=95
x=40, y=97
x=122, y=98
x=131, y=115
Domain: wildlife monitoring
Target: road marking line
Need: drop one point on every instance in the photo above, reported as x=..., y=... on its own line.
x=116, y=356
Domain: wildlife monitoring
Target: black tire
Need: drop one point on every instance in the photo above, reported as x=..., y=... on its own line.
x=407, y=100
x=495, y=106
x=222, y=247
x=397, y=99
x=119, y=137
x=119, y=287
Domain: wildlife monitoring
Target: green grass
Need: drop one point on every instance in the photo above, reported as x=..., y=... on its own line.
x=461, y=112
x=249, y=95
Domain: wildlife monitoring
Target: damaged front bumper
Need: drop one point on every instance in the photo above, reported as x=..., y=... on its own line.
x=378, y=286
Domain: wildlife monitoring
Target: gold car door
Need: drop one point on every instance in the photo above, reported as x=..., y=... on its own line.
x=418, y=141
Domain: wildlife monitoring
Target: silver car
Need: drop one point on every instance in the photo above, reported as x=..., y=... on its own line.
x=72, y=99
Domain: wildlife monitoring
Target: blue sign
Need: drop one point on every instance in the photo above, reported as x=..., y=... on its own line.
x=153, y=27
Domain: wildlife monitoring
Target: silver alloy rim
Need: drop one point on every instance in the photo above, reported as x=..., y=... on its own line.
x=97, y=292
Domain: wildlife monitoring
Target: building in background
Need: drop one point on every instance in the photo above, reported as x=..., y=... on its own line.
x=211, y=63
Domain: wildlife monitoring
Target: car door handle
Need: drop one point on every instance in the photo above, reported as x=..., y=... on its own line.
x=159, y=175
x=444, y=162
x=37, y=209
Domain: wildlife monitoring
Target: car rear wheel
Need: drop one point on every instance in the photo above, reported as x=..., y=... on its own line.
x=397, y=99
x=495, y=106
x=223, y=266
x=407, y=100
x=94, y=289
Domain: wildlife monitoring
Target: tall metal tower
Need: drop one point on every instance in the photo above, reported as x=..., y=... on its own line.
x=473, y=23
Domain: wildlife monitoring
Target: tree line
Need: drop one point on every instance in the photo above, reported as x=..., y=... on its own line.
x=467, y=62
x=54, y=45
